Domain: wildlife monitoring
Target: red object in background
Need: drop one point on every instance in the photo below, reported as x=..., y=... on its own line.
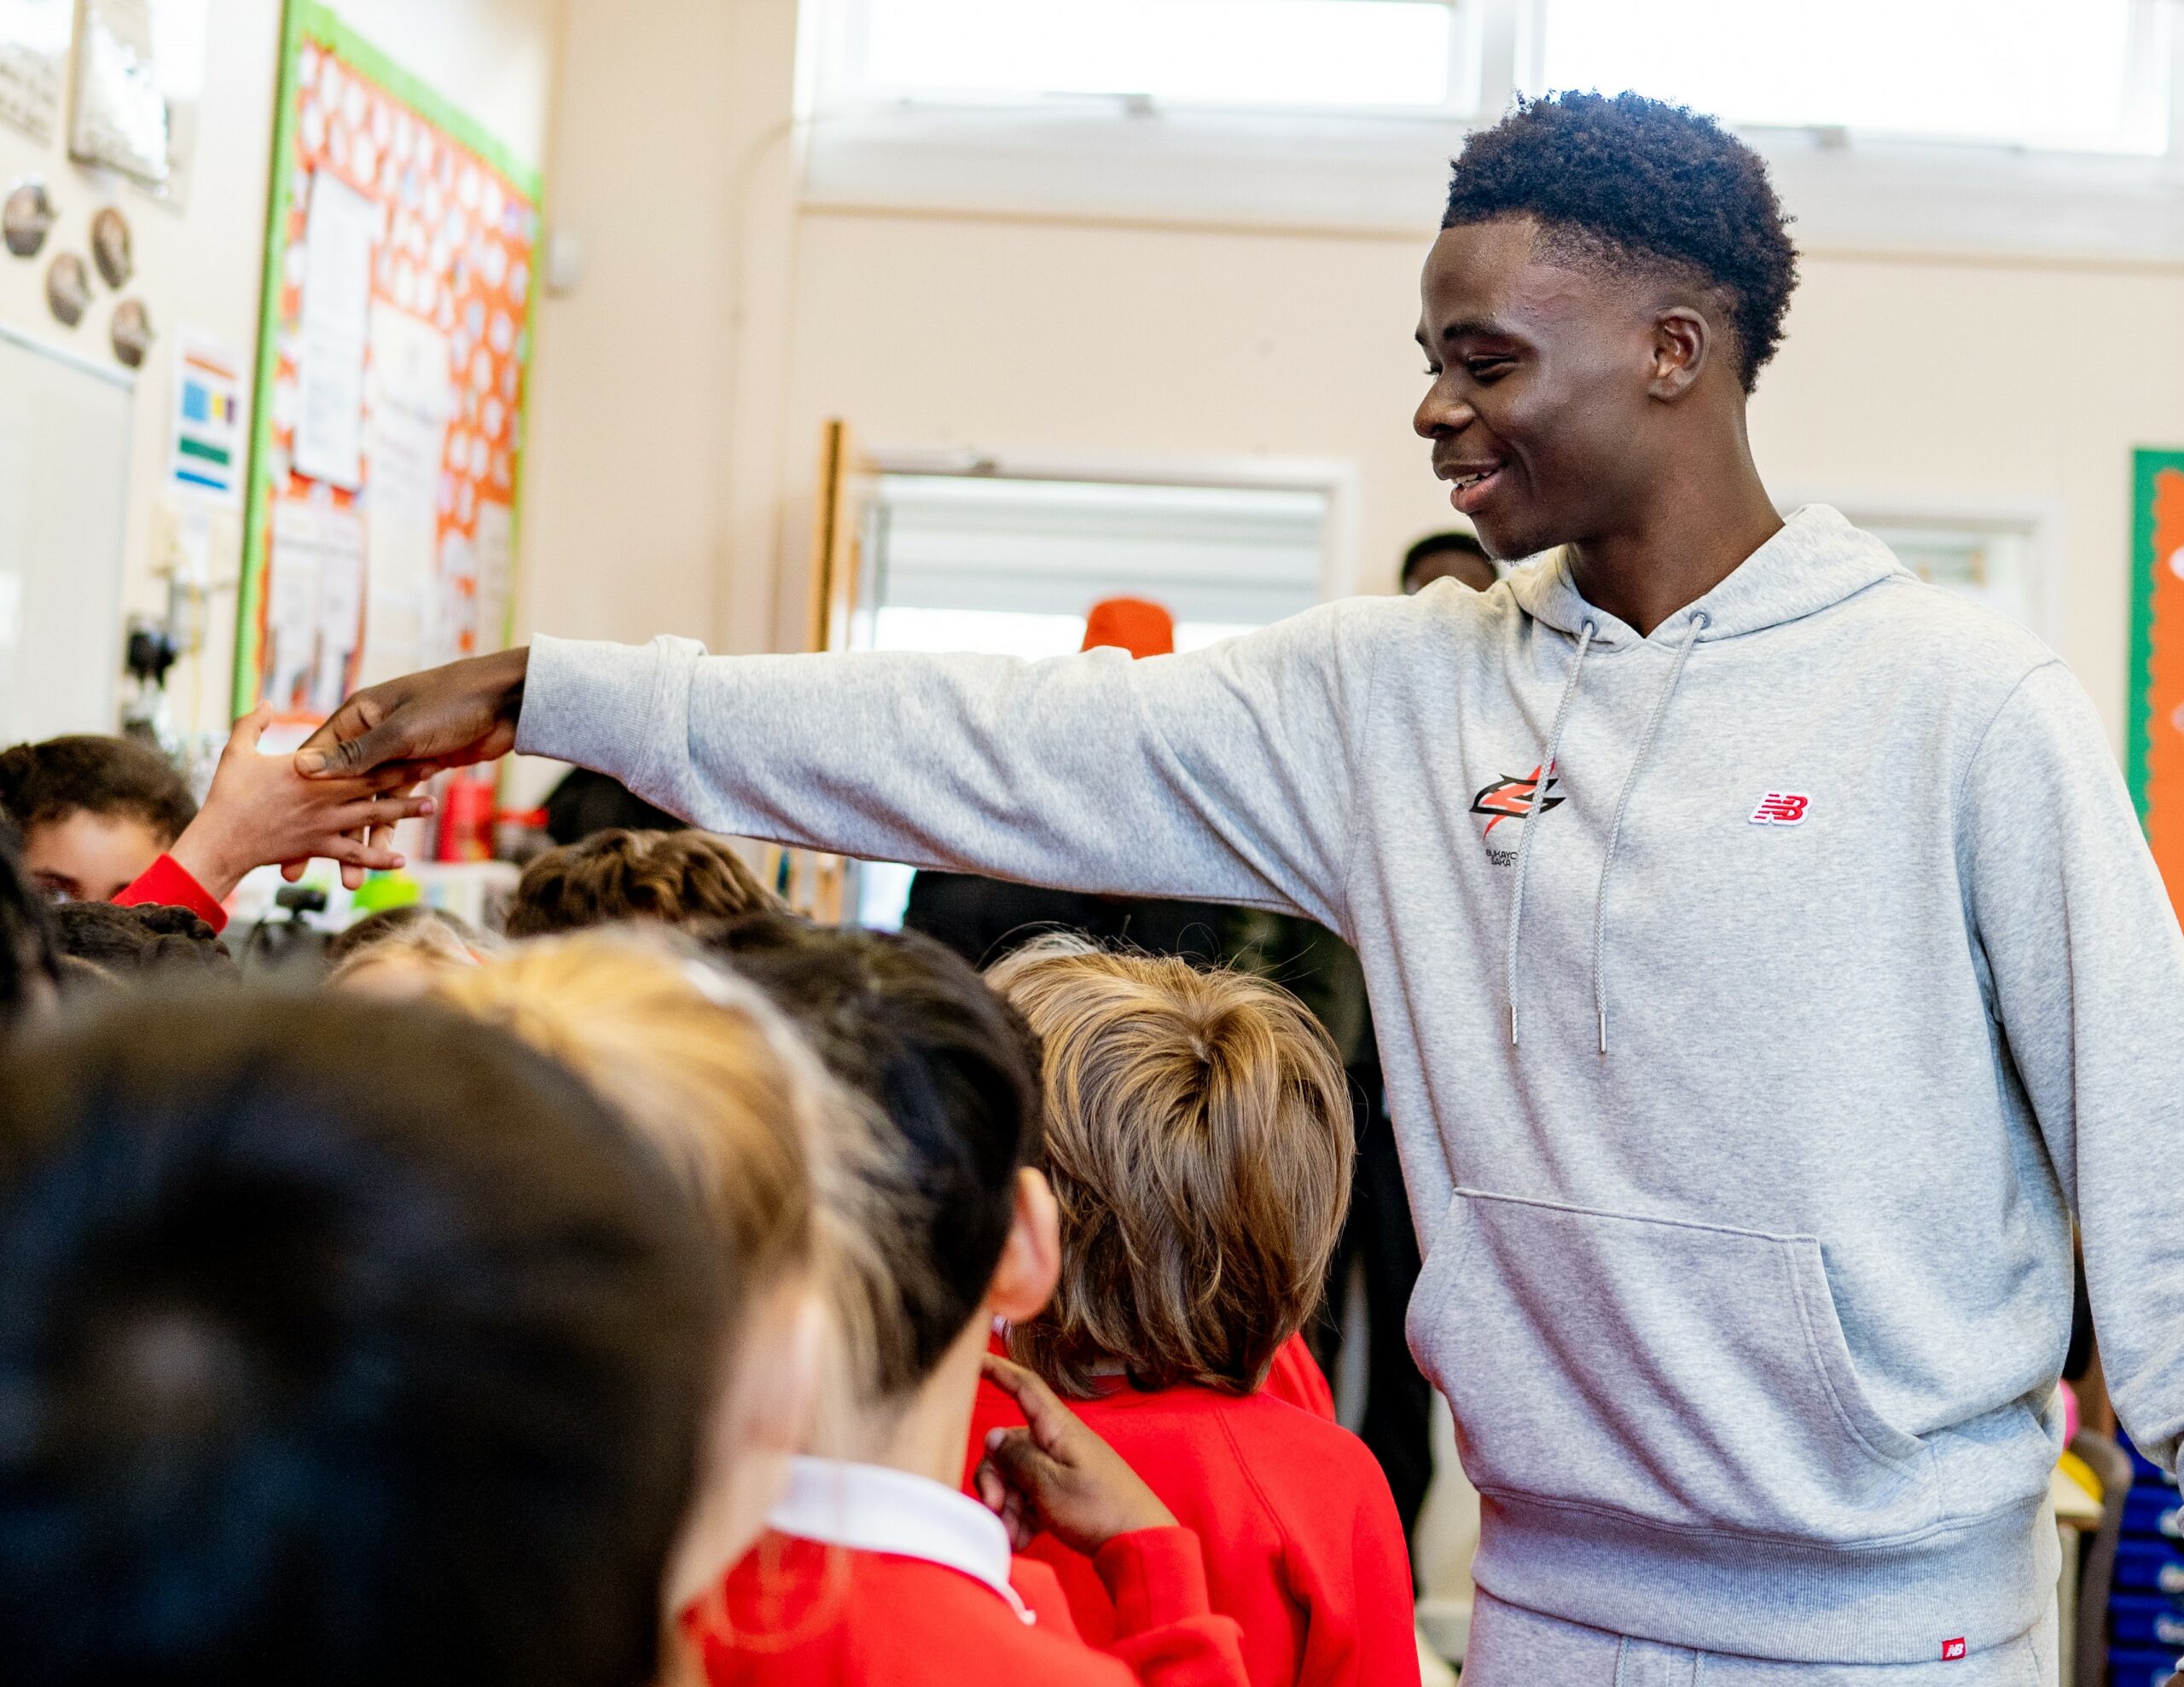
x=466, y=832
x=1141, y=628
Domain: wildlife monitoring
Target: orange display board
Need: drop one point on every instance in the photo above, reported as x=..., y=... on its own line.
x=400, y=271
x=2154, y=751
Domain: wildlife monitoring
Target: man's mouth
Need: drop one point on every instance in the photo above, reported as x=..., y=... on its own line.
x=1469, y=484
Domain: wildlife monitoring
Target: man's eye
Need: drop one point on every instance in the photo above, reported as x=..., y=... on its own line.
x=1486, y=368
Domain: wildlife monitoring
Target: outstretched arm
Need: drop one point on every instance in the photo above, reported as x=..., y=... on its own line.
x=1224, y=774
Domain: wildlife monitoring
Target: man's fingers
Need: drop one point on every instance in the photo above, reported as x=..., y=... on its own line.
x=349, y=757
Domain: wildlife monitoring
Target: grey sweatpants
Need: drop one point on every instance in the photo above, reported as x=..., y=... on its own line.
x=1511, y=1647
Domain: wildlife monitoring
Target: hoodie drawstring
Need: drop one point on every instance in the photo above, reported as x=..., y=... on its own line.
x=1544, y=778
x=1699, y=625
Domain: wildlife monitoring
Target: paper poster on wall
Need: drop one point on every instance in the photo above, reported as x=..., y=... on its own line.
x=33, y=62
x=392, y=377
x=336, y=300
x=205, y=441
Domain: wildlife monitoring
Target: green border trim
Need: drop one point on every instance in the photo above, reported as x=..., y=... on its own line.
x=2138, y=727
x=310, y=19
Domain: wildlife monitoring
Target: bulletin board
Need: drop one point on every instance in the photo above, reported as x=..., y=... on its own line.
x=2154, y=748
x=400, y=270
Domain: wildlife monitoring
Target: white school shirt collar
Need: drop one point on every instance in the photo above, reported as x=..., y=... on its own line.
x=869, y=1508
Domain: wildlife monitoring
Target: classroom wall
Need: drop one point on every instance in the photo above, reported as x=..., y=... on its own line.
x=199, y=267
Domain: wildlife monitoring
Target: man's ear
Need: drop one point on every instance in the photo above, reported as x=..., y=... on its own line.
x=1684, y=340
x=1031, y=1262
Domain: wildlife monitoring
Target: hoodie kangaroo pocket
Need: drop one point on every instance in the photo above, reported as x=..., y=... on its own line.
x=1688, y=1374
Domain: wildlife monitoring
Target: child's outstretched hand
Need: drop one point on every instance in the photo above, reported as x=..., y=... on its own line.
x=261, y=810
x=1057, y=1476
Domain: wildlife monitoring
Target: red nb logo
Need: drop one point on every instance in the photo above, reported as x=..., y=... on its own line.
x=1780, y=808
x=1952, y=1649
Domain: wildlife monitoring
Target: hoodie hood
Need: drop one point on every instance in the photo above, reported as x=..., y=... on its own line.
x=1815, y=561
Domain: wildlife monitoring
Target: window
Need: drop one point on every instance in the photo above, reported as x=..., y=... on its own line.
x=2029, y=127
x=1360, y=54
x=2080, y=75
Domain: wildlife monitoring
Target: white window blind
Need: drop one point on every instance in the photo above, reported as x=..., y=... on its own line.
x=1039, y=553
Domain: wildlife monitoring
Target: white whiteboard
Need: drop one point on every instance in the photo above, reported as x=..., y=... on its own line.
x=66, y=429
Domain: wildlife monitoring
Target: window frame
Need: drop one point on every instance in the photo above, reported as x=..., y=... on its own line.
x=1383, y=172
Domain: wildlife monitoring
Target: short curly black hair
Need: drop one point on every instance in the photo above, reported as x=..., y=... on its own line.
x=1629, y=178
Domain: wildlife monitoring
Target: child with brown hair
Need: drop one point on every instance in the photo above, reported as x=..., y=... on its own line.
x=106, y=820
x=672, y=877
x=1198, y=1139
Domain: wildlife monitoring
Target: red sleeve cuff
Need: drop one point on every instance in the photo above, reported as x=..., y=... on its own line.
x=1155, y=1576
x=168, y=882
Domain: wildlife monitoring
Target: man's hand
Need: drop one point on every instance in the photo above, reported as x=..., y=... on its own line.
x=259, y=811
x=1057, y=1476
x=444, y=718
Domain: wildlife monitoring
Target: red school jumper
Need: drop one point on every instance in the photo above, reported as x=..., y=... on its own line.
x=1302, y=1545
x=169, y=883
x=947, y=1606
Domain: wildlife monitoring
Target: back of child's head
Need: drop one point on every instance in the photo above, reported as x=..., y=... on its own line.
x=419, y=922
x=672, y=877
x=44, y=782
x=29, y=957
x=1199, y=1140
x=141, y=942
x=343, y=1341
x=950, y=1074
x=698, y=1062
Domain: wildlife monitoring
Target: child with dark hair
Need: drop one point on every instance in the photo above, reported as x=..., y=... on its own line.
x=877, y=1568
x=1199, y=1142
x=140, y=941
x=30, y=959
x=669, y=877
x=365, y=1373
x=106, y=820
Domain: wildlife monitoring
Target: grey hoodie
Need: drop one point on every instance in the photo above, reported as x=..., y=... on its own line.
x=1747, y=1070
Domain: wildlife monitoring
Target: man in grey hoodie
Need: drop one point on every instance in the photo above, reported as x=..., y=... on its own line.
x=1766, y=960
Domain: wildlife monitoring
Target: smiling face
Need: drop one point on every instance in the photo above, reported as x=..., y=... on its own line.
x=1544, y=412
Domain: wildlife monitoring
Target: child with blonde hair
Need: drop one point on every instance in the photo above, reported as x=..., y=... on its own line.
x=702, y=1067
x=1199, y=1137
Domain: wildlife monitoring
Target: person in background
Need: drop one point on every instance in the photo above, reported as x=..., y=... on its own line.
x=140, y=943
x=106, y=820
x=667, y=878
x=711, y=1074
x=1448, y=556
x=372, y=1375
x=877, y=1568
x=1198, y=1140
x=585, y=802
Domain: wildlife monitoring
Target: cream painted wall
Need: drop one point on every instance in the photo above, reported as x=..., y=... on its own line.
x=1914, y=383
x=199, y=267
x=648, y=429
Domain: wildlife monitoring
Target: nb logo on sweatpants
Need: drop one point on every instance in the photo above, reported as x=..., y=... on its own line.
x=1780, y=808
